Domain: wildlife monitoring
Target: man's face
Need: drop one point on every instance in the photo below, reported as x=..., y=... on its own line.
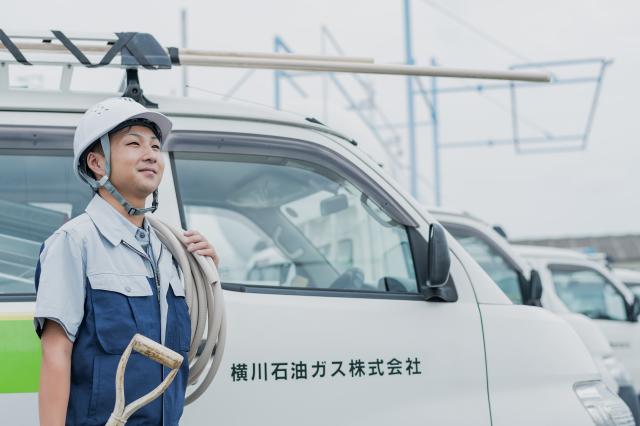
x=136, y=162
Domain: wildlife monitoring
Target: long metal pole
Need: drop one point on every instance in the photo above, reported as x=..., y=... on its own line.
x=276, y=76
x=283, y=62
x=411, y=129
x=325, y=78
x=360, y=68
x=183, y=44
x=435, y=125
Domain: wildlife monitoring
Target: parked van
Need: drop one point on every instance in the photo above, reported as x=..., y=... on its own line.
x=518, y=280
x=573, y=282
x=407, y=328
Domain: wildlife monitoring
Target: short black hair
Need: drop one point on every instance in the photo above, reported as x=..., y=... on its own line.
x=97, y=145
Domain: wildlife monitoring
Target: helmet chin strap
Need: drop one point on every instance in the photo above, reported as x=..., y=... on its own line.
x=105, y=183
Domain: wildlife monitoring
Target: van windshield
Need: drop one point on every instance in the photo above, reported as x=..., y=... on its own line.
x=281, y=222
x=493, y=263
x=586, y=291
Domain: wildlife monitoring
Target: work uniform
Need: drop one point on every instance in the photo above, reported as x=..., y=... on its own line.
x=103, y=279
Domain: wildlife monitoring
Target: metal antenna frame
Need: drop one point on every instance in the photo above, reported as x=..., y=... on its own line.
x=47, y=43
x=430, y=98
x=430, y=95
x=369, y=121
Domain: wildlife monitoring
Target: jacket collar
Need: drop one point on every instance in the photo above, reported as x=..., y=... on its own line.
x=111, y=224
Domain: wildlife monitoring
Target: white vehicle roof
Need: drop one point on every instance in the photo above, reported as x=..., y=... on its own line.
x=78, y=102
x=455, y=213
x=552, y=255
x=540, y=252
x=629, y=276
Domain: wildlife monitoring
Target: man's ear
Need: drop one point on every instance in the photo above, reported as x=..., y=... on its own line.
x=96, y=163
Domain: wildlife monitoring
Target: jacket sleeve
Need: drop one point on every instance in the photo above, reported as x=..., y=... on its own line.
x=59, y=281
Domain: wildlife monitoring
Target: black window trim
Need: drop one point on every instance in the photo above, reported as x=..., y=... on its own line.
x=275, y=146
x=249, y=144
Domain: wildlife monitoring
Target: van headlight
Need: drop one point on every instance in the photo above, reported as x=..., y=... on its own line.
x=604, y=407
x=618, y=371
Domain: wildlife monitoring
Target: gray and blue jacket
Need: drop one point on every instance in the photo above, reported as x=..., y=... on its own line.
x=103, y=279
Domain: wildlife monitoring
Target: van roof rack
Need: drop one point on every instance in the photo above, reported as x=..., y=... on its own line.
x=141, y=50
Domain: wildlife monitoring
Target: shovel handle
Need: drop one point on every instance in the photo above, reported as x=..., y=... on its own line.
x=155, y=351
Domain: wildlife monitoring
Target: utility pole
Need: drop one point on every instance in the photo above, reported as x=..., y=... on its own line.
x=183, y=44
x=411, y=129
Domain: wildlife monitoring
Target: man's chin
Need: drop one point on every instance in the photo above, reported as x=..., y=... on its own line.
x=143, y=191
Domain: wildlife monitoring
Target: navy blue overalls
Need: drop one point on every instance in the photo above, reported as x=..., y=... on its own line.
x=97, y=277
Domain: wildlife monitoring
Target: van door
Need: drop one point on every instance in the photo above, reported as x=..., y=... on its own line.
x=585, y=290
x=326, y=323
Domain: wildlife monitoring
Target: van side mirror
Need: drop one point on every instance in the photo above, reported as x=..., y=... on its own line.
x=439, y=260
x=534, y=290
x=435, y=283
x=634, y=309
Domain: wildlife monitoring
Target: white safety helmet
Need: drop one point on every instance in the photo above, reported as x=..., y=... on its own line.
x=95, y=125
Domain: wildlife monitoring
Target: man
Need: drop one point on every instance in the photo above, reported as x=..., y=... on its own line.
x=105, y=276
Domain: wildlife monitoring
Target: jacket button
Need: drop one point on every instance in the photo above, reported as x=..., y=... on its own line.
x=127, y=289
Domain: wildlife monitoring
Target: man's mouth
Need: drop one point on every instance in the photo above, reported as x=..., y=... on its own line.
x=154, y=171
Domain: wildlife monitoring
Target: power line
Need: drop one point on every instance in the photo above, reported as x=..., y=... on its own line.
x=479, y=32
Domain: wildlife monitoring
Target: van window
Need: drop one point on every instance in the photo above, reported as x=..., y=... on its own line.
x=38, y=194
x=586, y=291
x=287, y=223
x=493, y=263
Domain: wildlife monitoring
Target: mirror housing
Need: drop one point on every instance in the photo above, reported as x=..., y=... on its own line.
x=500, y=230
x=420, y=249
x=534, y=289
x=439, y=259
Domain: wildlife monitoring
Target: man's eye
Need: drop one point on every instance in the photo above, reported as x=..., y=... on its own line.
x=133, y=143
x=156, y=147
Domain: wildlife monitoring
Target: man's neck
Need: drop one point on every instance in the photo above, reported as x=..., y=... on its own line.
x=136, y=220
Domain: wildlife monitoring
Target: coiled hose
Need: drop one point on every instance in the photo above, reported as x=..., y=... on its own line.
x=206, y=308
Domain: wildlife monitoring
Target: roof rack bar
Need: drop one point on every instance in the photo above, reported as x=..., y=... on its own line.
x=282, y=55
x=111, y=38
x=101, y=49
x=386, y=69
x=48, y=35
x=277, y=61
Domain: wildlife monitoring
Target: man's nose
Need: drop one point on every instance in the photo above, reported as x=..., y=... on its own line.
x=150, y=154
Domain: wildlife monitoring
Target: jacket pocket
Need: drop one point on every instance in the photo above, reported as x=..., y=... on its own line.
x=141, y=376
x=115, y=318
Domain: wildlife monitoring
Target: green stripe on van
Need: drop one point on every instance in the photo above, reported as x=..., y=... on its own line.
x=19, y=355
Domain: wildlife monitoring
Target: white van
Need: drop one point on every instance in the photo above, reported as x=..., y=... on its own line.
x=514, y=276
x=359, y=342
x=573, y=282
x=408, y=331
